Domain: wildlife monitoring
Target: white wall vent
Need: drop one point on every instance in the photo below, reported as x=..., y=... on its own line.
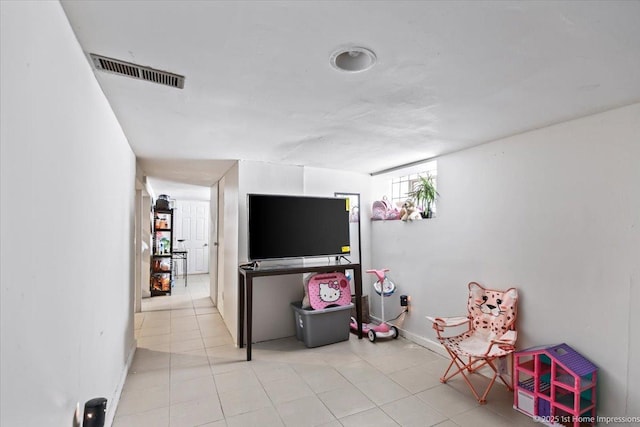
x=128, y=69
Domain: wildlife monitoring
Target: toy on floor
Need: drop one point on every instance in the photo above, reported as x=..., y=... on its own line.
x=555, y=379
x=383, y=287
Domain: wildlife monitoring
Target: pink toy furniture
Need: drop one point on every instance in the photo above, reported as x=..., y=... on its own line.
x=555, y=385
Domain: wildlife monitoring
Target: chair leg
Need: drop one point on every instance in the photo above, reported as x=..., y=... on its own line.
x=461, y=367
x=472, y=366
x=444, y=378
x=454, y=360
x=496, y=375
x=508, y=384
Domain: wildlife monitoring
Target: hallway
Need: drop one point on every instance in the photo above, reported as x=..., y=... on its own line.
x=187, y=372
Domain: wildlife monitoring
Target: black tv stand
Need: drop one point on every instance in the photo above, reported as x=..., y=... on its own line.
x=250, y=265
x=247, y=272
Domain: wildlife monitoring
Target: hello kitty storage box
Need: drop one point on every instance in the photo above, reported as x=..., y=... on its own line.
x=328, y=290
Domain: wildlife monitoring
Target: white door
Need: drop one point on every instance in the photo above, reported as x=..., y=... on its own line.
x=192, y=227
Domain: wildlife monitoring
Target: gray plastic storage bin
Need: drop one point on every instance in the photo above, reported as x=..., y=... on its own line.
x=322, y=327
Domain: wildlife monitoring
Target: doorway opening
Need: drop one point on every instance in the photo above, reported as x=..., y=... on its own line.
x=191, y=240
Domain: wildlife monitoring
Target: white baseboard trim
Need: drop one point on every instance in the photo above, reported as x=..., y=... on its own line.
x=434, y=346
x=112, y=404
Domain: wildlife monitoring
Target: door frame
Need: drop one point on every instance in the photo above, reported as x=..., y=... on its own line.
x=214, y=248
x=141, y=252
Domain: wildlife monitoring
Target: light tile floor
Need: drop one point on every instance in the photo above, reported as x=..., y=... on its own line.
x=187, y=372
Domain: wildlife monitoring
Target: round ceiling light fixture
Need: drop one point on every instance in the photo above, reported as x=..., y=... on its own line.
x=353, y=59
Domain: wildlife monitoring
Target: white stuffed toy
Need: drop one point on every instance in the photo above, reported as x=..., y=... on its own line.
x=409, y=211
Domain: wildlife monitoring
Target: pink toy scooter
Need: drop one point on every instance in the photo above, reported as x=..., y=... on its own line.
x=383, y=287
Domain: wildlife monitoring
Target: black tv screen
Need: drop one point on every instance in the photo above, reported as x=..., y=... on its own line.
x=297, y=226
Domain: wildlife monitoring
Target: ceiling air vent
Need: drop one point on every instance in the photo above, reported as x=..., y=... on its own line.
x=128, y=69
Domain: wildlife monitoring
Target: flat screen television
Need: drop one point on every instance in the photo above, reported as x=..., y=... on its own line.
x=283, y=227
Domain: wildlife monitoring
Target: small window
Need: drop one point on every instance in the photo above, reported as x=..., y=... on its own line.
x=401, y=186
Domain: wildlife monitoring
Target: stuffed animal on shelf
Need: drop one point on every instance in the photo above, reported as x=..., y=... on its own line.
x=409, y=211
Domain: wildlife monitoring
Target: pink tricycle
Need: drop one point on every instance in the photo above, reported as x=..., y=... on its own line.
x=383, y=287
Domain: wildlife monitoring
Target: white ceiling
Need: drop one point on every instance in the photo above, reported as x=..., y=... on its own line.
x=259, y=84
x=183, y=179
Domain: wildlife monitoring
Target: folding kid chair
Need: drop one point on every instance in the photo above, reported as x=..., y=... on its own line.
x=490, y=334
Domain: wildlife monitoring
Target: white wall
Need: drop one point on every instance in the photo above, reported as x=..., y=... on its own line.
x=554, y=212
x=142, y=240
x=67, y=221
x=228, y=249
x=273, y=317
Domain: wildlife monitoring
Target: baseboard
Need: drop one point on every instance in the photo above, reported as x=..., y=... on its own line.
x=112, y=404
x=434, y=346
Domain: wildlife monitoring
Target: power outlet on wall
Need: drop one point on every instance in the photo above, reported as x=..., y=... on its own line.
x=404, y=301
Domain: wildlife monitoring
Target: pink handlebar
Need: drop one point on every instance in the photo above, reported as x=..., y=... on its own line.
x=379, y=273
